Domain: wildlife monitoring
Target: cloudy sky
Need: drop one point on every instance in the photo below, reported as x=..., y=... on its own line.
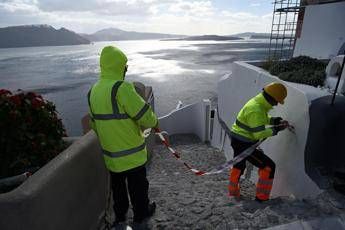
x=188, y=17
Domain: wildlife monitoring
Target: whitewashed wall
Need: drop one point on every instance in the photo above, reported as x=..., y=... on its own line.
x=189, y=119
x=323, y=31
x=286, y=149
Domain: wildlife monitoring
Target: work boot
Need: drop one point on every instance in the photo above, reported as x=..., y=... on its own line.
x=140, y=226
x=121, y=226
x=234, y=187
x=150, y=211
x=259, y=200
x=264, y=185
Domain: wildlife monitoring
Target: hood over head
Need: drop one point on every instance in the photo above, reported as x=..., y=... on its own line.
x=113, y=63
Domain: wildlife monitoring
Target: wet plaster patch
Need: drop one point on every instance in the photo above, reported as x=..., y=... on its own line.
x=185, y=201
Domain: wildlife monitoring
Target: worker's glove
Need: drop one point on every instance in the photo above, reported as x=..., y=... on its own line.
x=276, y=120
x=147, y=132
x=277, y=128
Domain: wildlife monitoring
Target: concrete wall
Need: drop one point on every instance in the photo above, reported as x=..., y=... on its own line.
x=286, y=149
x=193, y=118
x=323, y=31
x=68, y=193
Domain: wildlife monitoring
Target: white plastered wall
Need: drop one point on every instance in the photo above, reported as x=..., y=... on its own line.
x=188, y=119
x=286, y=149
x=323, y=31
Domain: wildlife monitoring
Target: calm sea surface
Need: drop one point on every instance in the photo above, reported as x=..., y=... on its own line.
x=177, y=70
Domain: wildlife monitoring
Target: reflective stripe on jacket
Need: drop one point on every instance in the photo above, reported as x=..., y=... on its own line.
x=252, y=119
x=118, y=113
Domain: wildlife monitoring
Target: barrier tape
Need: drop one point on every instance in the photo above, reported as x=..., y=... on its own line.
x=216, y=170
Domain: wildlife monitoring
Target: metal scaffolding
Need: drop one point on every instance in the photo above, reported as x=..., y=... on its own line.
x=284, y=25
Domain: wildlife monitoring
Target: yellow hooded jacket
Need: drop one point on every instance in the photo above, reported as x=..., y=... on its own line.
x=250, y=125
x=118, y=113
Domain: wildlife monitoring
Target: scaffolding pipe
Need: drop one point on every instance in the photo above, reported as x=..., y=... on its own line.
x=283, y=30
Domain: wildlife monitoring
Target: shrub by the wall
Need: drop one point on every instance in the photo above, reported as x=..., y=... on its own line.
x=30, y=132
x=302, y=69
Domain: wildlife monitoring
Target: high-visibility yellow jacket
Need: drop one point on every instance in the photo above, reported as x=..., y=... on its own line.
x=118, y=113
x=252, y=119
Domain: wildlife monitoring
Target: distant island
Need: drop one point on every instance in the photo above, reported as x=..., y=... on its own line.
x=206, y=38
x=253, y=35
x=38, y=35
x=114, y=34
x=265, y=36
x=46, y=35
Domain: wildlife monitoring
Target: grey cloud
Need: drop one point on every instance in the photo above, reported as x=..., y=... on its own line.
x=9, y=19
x=67, y=5
x=97, y=7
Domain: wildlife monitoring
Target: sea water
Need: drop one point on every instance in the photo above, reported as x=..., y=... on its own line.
x=185, y=71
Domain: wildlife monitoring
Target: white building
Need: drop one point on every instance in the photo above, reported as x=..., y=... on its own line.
x=321, y=30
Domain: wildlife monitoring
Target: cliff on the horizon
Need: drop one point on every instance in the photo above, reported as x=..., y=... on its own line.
x=114, y=34
x=38, y=35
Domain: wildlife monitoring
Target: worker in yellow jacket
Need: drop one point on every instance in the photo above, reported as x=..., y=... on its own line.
x=118, y=115
x=253, y=124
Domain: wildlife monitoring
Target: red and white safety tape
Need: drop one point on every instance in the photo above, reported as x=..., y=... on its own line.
x=216, y=170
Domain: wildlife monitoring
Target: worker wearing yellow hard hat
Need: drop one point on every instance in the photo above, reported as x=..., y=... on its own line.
x=277, y=91
x=253, y=124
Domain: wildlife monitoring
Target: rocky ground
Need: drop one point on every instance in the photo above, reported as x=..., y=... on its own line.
x=186, y=201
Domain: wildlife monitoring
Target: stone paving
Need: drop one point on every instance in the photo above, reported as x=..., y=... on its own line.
x=186, y=201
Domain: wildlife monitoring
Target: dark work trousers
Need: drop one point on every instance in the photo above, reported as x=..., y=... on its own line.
x=257, y=158
x=137, y=185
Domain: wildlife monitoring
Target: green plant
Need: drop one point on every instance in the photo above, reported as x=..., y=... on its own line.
x=267, y=64
x=304, y=76
x=30, y=132
x=302, y=69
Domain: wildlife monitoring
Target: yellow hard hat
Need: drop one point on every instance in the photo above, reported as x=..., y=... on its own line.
x=276, y=90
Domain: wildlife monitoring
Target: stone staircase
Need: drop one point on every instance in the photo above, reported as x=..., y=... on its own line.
x=186, y=201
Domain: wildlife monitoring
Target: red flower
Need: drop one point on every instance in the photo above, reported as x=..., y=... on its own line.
x=16, y=100
x=35, y=129
x=4, y=92
x=32, y=95
x=36, y=103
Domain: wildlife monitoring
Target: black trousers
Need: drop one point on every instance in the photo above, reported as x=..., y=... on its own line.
x=257, y=158
x=137, y=185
